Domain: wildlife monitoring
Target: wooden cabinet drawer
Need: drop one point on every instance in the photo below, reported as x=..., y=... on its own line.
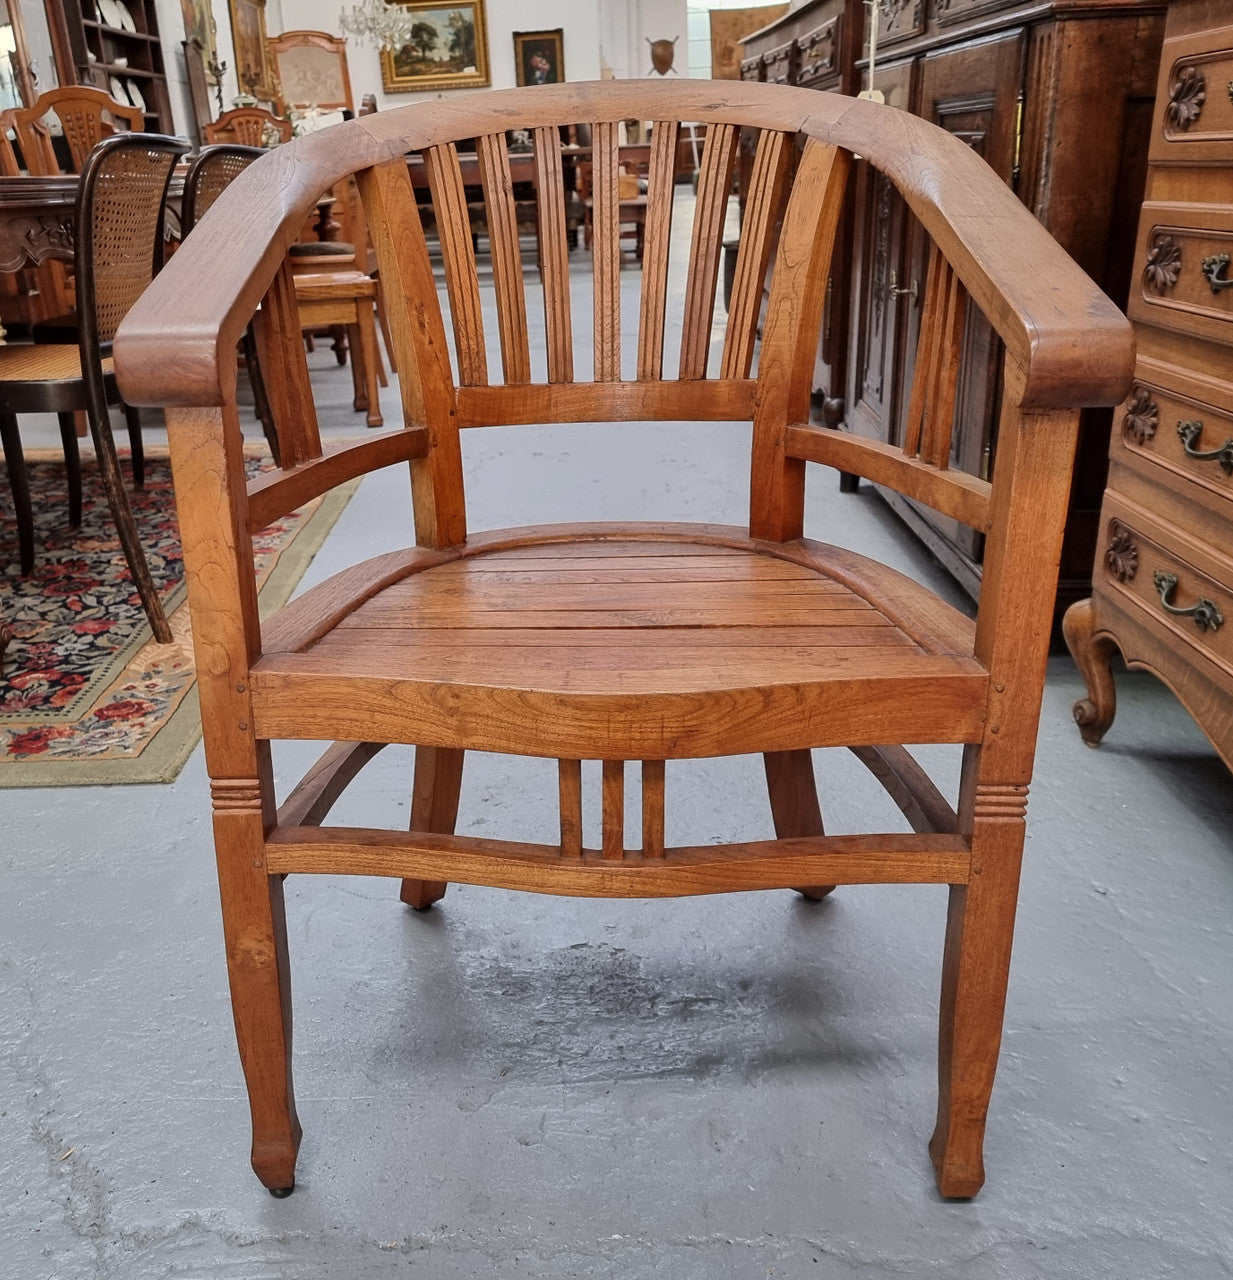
x=1170, y=577
x=780, y=64
x=1191, y=440
x=898, y=20
x=817, y=53
x=1185, y=269
x=1194, y=110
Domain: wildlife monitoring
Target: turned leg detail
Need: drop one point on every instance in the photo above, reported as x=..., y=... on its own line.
x=1092, y=654
x=434, y=807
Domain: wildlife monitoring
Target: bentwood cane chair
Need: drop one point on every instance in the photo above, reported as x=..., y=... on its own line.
x=119, y=249
x=630, y=641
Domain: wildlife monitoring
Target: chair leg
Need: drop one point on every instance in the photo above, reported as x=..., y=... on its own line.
x=793, y=792
x=137, y=449
x=383, y=318
x=130, y=540
x=338, y=332
x=367, y=356
x=359, y=389
x=255, y=933
x=72, y=465
x=975, y=967
x=15, y=461
x=434, y=807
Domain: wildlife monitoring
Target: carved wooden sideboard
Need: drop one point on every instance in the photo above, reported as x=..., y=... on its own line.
x=1057, y=96
x=1163, y=578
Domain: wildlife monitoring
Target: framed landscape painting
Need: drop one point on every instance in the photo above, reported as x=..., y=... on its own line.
x=448, y=48
x=539, y=57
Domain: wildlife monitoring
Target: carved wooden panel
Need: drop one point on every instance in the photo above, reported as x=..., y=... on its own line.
x=818, y=53
x=899, y=20
x=948, y=12
x=1187, y=252
x=1194, y=108
x=780, y=64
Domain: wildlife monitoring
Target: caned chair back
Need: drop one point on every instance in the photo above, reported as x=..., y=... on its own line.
x=213, y=170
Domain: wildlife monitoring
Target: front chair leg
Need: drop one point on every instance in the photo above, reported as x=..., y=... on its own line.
x=793, y=792
x=137, y=449
x=255, y=932
x=72, y=464
x=975, y=968
x=126, y=526
x=434, y=807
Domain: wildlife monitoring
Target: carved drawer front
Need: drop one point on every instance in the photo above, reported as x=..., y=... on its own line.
x=1190, y=438
x=1194, y=108
x=898, y=20
x=781, y=64
x=1185, y=269
x=1154, y=565
x=818, y=53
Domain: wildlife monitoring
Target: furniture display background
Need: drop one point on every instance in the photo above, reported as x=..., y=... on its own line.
x=539, y=57
x=1057, y=97
x=311, y=69
x=452, y=52
x=1162, y=591
x=120, y=52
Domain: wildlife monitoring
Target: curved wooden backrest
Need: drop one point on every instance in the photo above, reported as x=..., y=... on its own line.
x=1066, y=345
x=312, y=70
x=86, y=117
x=247, y=127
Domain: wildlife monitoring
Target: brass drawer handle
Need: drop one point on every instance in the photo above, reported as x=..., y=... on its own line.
x=893, y=289
x=1190, y=431
x=1212, y=267
x=1205, y=614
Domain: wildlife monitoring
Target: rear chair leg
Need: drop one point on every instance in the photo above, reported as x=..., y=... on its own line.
x=975, y=967
x=15, y=461
x=434, y=807
x=793, y=792
x=255, y=932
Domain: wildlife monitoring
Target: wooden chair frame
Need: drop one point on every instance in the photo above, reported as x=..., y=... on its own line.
x=1066, y=346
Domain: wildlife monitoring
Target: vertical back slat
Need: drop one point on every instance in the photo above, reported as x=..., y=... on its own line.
x=714, y=184
x=926, y=355
x=656, y=242
x=570, y=780
x=425, y=379
x=763, y=205
x=506, y=254
x=652, y=808
x=449, y=201
x=940, y=417
x=554, y=254
x=606, y=250
x=790, y=338
x=613, y=834
x=280, y=341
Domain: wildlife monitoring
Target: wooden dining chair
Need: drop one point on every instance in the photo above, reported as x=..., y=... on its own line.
x=119, y=241
x=248, y=127
x=85, y=116
x=628, y=641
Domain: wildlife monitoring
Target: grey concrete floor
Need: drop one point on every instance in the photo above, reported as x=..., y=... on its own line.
x=519, y=1086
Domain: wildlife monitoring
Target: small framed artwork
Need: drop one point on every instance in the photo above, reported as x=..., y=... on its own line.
x=539, y=56
x=448, y=48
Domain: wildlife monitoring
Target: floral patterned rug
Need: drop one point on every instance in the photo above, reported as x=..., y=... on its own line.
x=86, y=695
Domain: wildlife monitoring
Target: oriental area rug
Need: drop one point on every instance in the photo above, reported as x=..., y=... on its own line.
x=86, y=695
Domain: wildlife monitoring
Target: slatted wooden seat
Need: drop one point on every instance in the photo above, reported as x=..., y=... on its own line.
x=625, y=642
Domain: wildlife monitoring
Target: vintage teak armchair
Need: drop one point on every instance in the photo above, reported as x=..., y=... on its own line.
x=633, y=641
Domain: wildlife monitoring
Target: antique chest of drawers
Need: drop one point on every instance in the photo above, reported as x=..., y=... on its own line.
x=1162, y=589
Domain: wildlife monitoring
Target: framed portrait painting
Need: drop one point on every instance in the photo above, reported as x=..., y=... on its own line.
x=539, y=57
x=252, y=62
x=448, y=48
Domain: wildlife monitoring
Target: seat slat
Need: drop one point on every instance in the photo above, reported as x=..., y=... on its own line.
x=606, y=249
x=449, y=199
x=656, y=243
x=554, y=254
x=506, y=256
x=714, y=185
